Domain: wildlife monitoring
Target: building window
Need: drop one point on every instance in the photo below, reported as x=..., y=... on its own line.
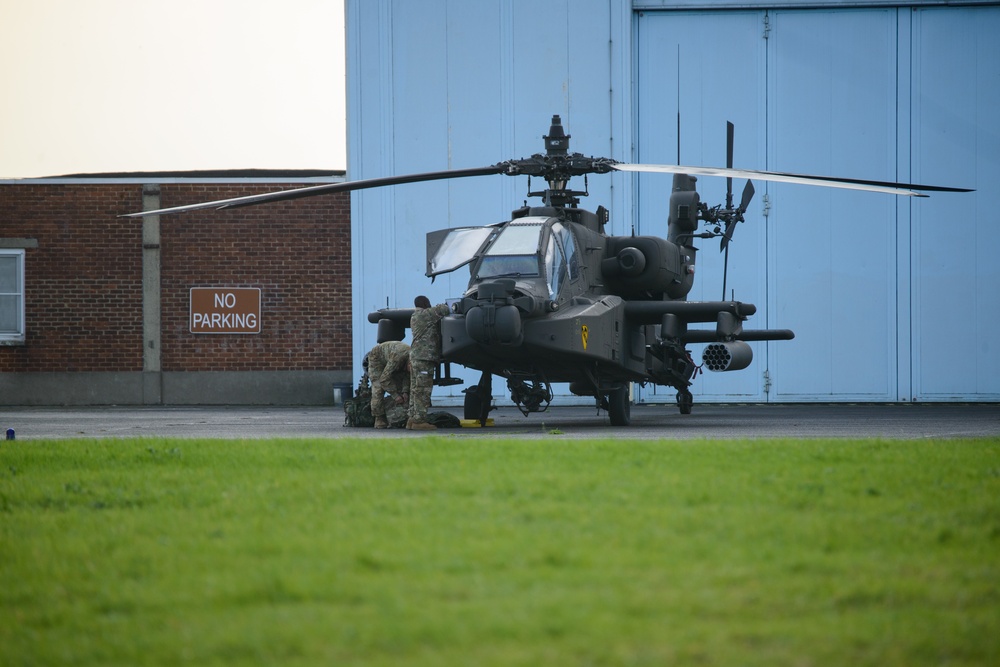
x=11, y=296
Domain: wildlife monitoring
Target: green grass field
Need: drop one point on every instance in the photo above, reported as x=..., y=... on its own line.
x=447, y=551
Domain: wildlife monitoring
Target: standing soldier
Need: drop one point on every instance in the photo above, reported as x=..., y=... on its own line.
x=388, y=364
x=425, y=353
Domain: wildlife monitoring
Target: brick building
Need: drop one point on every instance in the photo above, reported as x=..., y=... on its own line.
x=95, y=309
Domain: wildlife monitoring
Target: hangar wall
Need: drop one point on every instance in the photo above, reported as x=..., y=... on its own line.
x=442, y=85
x=870, y=285
x=877, y=288
x=107, y=299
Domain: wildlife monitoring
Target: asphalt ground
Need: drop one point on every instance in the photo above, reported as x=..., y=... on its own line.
x=898, y=421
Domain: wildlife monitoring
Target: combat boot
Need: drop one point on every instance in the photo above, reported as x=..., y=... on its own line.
x=381, y=422
x=420, y=426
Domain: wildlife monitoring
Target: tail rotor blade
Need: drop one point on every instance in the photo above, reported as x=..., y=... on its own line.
x=727, y=237
x=748, y=191
x=730, y=134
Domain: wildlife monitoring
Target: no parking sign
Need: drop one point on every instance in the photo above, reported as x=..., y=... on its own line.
x=225, y=310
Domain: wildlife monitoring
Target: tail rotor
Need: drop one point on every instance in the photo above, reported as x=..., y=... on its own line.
x=730, y=215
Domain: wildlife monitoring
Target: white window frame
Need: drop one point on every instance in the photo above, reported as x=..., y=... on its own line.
x=16, y=336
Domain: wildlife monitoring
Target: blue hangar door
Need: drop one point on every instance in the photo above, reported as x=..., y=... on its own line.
x=826, y=92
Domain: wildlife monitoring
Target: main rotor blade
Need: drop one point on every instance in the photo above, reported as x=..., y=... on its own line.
x=889, y=187
x=329, y=188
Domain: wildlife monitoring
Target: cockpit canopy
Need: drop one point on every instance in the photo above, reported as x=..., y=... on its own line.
x=531, y=248
x=449, y=249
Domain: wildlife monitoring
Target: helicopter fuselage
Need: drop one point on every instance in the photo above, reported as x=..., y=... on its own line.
x=547, y=299
x=552, y=298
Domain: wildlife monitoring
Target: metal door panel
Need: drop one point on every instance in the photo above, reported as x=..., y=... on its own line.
x=821, y=263
x=723, y=83
x=420, y=68
x=956, y=238
x=454, y=84
x=831, y=110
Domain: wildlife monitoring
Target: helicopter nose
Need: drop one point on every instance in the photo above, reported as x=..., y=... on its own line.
x=490, y=324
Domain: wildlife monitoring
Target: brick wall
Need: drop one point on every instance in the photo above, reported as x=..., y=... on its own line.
x=83, y=283
x=84, y=279
x=299, y=255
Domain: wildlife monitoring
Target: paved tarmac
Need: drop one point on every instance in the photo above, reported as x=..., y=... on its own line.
x=932, y=420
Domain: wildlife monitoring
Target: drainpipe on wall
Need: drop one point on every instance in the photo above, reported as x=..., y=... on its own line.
x=152, y=379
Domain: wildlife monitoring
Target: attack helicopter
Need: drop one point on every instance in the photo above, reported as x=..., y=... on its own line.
x=553, y=298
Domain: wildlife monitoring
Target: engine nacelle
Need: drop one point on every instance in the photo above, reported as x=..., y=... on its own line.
x=732, y=356
x=628, y=263
x=641, y=265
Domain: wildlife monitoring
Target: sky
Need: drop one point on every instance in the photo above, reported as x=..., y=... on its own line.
x=98, y=86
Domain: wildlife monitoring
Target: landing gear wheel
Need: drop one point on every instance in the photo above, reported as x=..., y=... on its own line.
x=684, y=401
x=479, y=399
x=619, y=408
x=473, y=403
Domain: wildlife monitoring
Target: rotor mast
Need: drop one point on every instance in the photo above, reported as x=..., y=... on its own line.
x=557, y=166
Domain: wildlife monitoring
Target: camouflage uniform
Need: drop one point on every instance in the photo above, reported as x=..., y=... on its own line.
x=387, y=367
x=425, y=353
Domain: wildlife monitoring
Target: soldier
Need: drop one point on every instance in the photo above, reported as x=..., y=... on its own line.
x=388, y=368
x=425, y=353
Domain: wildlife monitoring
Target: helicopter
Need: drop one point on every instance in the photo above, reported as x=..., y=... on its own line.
x=552, y=298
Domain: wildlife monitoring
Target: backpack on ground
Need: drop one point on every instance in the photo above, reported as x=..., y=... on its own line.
x=358, y=410
x=443, y=420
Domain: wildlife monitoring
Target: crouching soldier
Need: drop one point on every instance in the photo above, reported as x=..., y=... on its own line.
x=388, y=368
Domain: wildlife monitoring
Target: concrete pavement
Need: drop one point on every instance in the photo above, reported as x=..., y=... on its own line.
x=930, y=420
